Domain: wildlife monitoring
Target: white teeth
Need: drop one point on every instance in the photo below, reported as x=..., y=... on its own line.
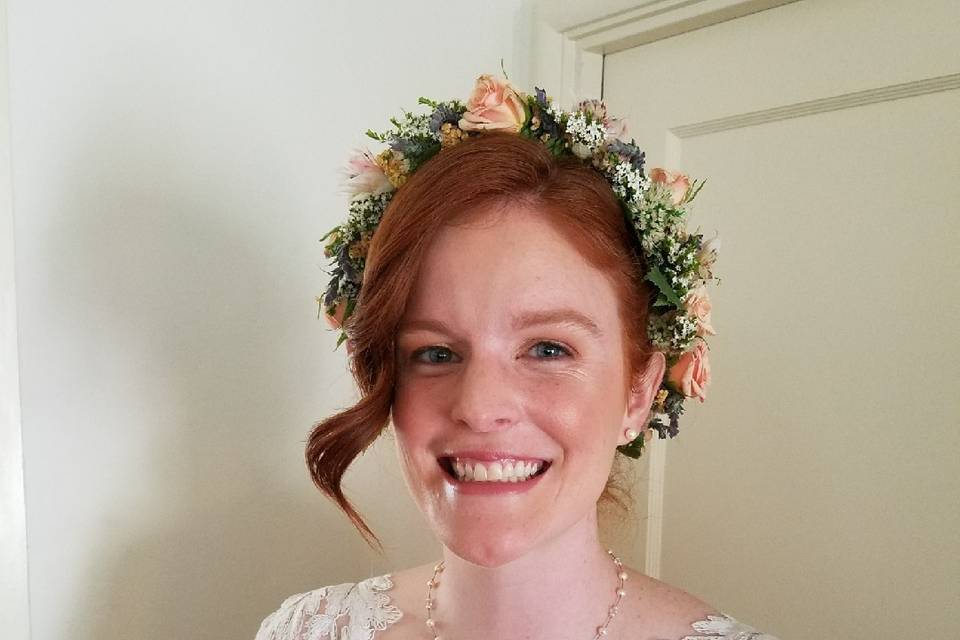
x=498, y=471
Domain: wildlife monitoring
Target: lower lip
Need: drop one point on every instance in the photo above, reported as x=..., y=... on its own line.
x=492, y=488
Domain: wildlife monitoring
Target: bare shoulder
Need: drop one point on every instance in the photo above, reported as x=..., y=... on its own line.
x=660, y=610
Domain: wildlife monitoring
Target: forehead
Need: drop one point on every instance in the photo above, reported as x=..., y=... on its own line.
x=504, y=261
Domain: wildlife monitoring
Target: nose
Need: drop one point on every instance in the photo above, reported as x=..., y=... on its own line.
x=484, y=398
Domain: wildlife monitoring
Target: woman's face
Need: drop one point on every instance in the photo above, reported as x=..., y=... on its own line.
x=510, y=351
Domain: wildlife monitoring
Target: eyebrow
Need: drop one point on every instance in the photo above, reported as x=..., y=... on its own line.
x=570, y=317
x=566, y=316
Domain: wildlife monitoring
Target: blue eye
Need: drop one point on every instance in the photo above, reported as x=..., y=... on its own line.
x=434, y=355
x=549, y=350
x=437, y=354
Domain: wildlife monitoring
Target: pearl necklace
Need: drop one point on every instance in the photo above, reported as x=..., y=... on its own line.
x=601, y=630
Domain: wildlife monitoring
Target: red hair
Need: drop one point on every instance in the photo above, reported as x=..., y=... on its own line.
x=486, y=170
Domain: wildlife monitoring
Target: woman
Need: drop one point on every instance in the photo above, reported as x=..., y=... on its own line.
x=510, y=326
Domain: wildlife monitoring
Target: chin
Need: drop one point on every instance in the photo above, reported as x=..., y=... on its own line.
x=485, y=550
x=489, y=554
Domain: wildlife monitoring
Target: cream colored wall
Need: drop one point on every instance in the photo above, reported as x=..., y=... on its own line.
x=175, y=164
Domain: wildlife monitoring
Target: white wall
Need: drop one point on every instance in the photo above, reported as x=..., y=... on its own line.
x=174, y=165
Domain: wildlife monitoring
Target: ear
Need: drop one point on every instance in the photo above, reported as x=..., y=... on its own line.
x=641, y=395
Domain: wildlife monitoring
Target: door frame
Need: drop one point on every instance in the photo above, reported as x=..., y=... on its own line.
x=14, y=600
x=569, y=42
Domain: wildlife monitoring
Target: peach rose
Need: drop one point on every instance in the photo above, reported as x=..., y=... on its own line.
x=678, y=183
x=698, y=306
x=364, y=175
x=691, y=373
x=493, y=105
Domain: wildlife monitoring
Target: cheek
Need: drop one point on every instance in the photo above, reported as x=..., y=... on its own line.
x=417, y=404
x=420, y=472
x=416, y=420
x=579, y=408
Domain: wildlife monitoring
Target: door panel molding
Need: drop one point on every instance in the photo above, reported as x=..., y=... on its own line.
x=821, y=105
x=570, y=39
x=658, y=20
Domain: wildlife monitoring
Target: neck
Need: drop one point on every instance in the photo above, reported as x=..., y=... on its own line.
x=561, y=589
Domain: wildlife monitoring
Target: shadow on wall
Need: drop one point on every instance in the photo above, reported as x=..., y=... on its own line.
x=197, y=532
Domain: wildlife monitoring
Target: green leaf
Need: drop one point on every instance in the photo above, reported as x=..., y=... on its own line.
x=341, y=339
x=633, y=449
x=351, y=303
x=373, y=134
x=693, y=191
x=661, y=301
x=427, y=101
x=656, y=277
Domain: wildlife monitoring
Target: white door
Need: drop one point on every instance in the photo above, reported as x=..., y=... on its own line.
x=815, y=493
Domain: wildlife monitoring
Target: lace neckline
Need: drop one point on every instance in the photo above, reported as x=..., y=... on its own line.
x=348, y=611
x=720, y=626
x=357, y=611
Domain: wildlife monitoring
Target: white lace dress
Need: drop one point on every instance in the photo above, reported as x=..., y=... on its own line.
x=357, y=611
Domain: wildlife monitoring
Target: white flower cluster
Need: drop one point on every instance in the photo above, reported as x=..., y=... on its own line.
x=348, y=289
x=672, y=332
x=586, y=135
x=680, y=283
x=653, y=236
x=663, y=226
x=413, y=126
x=366, y=210
x=628, y=182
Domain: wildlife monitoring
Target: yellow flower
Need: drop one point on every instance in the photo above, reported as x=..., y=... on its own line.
x=359, y=248
x=660, y=399
x=331, y=240
x=394, y=165
x=451, y=135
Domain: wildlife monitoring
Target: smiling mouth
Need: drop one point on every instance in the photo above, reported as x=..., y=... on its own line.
x=506, y=471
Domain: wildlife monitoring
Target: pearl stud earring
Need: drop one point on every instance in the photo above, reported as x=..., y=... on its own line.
x=631, y=435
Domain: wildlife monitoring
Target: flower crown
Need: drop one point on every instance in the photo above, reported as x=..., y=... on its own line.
x=679, y=263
